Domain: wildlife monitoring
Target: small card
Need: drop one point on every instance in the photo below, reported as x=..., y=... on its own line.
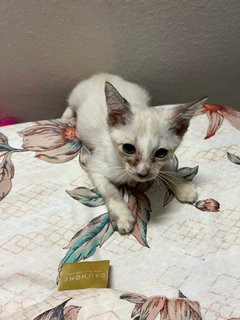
x=82, y=275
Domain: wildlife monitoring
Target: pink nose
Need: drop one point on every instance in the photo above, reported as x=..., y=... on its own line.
x=142, y=170
x=143, y=175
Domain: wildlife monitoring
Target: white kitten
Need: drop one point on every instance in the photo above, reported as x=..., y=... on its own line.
x=130, y=141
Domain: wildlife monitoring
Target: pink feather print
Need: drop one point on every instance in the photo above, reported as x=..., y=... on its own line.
x=140, y=207
x=216, y=114
x=168, y=309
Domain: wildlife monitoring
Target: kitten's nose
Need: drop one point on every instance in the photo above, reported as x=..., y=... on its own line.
x=141, y=175
x=143, y=171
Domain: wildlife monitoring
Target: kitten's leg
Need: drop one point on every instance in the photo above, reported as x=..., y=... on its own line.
x=68, y=114
x=185, y=191
x=119, y=212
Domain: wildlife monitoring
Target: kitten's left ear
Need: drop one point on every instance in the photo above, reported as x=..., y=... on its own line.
x=118, y=112
x=184, y=114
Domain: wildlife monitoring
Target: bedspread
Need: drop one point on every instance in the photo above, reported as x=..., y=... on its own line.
x=181, y=261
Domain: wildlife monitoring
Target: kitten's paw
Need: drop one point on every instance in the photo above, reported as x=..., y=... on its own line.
x=186, y=193
x=125, y=224
x=122, y=218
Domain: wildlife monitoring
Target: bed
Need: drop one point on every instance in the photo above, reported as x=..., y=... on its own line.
x=181, y=261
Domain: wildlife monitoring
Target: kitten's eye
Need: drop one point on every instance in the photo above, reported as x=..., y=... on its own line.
x=161, y=153
x=128, y=148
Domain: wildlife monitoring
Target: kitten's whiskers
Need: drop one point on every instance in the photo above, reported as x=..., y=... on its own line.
x=166, y=181
x=160, y=184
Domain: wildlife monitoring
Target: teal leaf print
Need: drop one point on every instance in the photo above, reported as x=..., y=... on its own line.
x=85, y=242
x=88, y=197
x=138, y=204
x=5, y=147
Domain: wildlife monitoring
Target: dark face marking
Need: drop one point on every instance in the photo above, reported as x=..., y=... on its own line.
x=133, y=159
x=136, y=159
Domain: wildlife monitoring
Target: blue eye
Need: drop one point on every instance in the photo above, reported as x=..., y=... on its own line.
x=161, y=153
x=129, y=148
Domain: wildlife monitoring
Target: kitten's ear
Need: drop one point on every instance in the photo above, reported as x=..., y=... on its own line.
x=118, y=111
x=183, y=115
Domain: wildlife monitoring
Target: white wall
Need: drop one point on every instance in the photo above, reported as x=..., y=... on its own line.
x=178, y=49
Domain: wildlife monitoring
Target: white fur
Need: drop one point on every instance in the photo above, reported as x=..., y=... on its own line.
x=148, y=130
x=87, y=100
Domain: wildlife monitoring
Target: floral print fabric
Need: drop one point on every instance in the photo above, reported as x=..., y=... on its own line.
x=194, y=249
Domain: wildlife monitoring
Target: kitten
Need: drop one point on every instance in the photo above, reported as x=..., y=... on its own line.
x=130, y=141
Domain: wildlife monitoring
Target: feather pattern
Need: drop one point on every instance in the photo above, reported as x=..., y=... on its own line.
x=85, y=242
x=233, y=158
x=56, y=313
x=94, y=234
x=88, y=197
x=140, y=207
x=169, y=309
x=188, y=173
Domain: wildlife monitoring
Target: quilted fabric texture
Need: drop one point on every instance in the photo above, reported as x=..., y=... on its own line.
x=188, y=255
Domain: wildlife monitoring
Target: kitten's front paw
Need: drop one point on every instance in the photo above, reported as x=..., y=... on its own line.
x=186, y=193
x=125, y=224
x=122, y=218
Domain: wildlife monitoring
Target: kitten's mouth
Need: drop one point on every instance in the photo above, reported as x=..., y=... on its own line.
x=138, y=178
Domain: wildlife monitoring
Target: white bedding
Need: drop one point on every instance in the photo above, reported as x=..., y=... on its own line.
x=194, y=251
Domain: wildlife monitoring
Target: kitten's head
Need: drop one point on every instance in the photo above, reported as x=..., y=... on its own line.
x=146, y=138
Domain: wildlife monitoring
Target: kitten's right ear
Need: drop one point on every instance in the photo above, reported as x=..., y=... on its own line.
x=118, y=111
x=183, y=115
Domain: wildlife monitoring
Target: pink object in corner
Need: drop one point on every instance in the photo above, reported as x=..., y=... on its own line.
x=7, y=122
